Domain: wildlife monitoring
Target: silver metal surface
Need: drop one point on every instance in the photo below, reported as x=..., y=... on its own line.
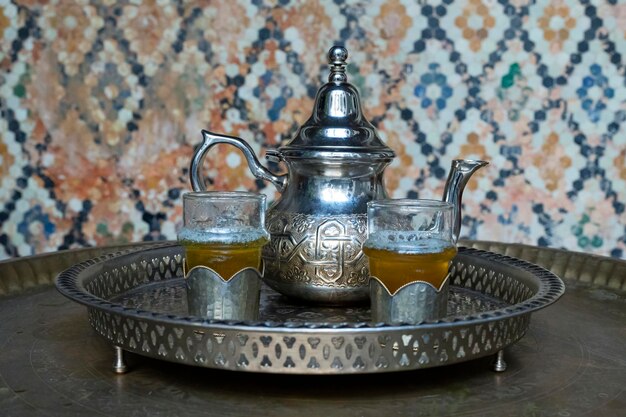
x=317, y=258
x=335, y=165
x=571, y=361
x=209, y=140
x=211, y=296
x=413, y=303
x=460, y=173
x=320, y=345
x=500, y=364
x=337, y=130
x=119, y=364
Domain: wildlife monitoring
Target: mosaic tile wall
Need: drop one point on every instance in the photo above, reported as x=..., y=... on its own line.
x=102, y=103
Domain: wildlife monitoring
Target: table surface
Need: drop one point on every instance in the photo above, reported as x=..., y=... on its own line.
x=571, y=362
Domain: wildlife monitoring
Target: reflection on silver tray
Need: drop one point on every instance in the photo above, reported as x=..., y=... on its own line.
x=137, y=302
x=170, y=297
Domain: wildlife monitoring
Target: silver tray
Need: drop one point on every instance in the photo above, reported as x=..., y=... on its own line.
x=136, y=300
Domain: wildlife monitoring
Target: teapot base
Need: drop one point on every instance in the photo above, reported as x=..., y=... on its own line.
x=330, y=296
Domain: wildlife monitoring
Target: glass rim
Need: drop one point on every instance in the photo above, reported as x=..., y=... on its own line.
x=411, y=203
x=224, y=195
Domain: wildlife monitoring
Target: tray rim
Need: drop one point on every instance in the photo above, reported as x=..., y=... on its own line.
x=550, y=288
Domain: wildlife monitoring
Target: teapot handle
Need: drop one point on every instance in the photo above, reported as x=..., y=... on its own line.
x=211, y=139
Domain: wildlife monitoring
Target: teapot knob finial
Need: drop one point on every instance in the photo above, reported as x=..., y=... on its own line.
x=337, y=56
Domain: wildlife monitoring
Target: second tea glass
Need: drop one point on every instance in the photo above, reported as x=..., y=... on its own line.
x=410, y=246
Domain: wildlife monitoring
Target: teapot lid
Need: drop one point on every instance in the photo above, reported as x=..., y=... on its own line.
x=337, y=128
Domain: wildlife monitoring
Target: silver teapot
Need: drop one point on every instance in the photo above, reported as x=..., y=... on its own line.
x=335, y=166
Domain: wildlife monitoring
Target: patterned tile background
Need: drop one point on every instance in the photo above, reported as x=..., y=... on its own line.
x=102, y=103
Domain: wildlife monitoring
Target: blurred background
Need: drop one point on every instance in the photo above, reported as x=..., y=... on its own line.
x=102, y=103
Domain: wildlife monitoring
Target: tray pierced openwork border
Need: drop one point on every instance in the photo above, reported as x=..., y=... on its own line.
x=309, y=348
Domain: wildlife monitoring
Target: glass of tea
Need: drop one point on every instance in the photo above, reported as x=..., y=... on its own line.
x=224, y=231
x=409, y=240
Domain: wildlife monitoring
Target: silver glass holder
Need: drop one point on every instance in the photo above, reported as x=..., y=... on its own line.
x=413, y=303
x=212, y=297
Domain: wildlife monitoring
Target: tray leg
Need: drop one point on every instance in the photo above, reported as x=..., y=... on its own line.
x=119, y=365
x=499, y=365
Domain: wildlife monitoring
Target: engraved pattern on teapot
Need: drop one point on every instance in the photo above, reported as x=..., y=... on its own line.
x=318, y=250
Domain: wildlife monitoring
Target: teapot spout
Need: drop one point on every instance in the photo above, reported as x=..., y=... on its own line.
x=460, y=173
